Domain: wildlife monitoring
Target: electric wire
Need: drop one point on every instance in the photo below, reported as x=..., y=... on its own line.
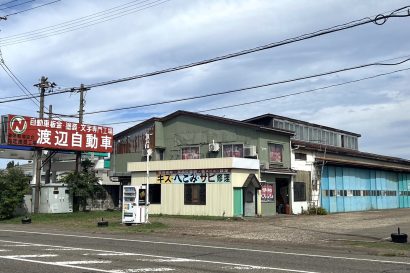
x=36, y=7
x=16, y=5
x=80, y=19
x=222, y=92
x=379, y=19
x=281, y=96
x=80, y=23
x=67, y=89
x=19, y=83
x=77, y=20
x=8, y=3
x=16, y=83
x=247, y=88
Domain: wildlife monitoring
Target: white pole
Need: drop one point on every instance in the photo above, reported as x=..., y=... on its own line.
x=148, y=151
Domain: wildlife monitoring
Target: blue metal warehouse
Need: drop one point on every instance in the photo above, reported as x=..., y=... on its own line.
x=356, y=189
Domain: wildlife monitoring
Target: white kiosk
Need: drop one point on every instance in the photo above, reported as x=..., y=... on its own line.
x=134, y=205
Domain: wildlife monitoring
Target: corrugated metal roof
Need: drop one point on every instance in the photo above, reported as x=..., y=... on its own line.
x=300, y=122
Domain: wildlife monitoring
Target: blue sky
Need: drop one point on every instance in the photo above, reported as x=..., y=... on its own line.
x=178, y=32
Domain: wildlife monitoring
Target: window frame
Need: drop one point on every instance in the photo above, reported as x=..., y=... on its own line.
x=190, y=147
x=232, y=149
x=297, y=197
x=201, y=193
x=304, y=157
x=281, y=153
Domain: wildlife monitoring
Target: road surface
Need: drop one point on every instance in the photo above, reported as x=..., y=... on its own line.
x=37, y=251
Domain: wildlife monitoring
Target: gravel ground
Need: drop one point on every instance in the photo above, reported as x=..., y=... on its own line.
x=300, y=229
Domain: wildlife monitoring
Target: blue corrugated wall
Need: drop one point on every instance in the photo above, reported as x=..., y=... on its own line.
x=355, y=189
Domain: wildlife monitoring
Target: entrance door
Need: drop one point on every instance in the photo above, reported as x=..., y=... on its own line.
x=237, y=202
x=282, y=195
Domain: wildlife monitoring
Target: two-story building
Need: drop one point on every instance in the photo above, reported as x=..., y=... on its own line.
x=337, y=175
x=207, y=165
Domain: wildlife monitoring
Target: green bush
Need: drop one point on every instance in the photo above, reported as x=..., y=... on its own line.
x=83, y=185
x=317, y=211
x=13, y=186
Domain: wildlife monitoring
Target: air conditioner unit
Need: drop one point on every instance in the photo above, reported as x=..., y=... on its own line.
x=249, y=151
x=213, y=147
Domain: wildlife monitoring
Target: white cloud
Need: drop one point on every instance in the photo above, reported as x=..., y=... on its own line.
x=181, y=32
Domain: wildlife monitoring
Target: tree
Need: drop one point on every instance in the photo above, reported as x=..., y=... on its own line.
x=83, y=185
x=10, y=164
x=13, y=186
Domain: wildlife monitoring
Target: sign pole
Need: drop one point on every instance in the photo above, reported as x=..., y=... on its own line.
x=149, y=152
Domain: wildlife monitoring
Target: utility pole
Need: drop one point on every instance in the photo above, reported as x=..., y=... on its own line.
x=42, y=87
x=80, y=120
x=48, y=171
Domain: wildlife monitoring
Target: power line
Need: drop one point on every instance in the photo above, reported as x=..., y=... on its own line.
x=304, y=92
x=379, y=20
x=247, y=88
x=16, y=5
x=79, y=19
x=36, y=7
x=95, y=15
x=82, y=22
x=8, y=3
x=16, y=80
x=19, y=83
x=281, y=96
x=380, y=63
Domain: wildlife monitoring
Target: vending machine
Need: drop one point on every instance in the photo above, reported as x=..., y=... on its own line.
x=134, y=205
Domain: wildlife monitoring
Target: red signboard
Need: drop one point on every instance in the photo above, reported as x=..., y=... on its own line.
x=268, y=193
x=57, y=134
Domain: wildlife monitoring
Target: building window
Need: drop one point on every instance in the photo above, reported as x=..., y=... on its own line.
x=155, y=193
x=275, y=153
x=195, y=194
x=299, y=191
x=190, y=152
x=232, y=150
x=300, y=156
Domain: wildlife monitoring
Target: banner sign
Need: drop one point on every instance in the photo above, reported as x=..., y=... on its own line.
x=57, y=134
x=268, y=192
x=194, y=176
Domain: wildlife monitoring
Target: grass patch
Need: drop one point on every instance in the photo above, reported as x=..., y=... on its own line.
x=387, y=249
x=191, y=217
x=87, y=221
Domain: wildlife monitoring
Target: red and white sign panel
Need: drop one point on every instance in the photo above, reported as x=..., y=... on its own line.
x=268, y=193
x=57, y=134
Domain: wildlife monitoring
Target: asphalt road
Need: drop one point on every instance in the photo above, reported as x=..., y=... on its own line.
x=32, y=251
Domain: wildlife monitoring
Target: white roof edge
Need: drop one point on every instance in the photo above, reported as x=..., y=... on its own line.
x=193, y=164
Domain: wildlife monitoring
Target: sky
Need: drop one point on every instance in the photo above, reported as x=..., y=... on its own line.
x=151, y=35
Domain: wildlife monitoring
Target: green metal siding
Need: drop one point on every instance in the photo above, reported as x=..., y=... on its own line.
x=119, y=161
x=189, y=131
x=159, y=135
x=182, y=131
